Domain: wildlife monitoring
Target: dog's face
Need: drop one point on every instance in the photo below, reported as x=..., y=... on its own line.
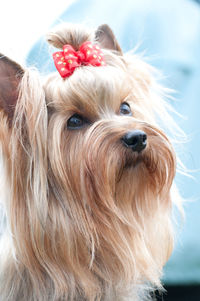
x=91, y=174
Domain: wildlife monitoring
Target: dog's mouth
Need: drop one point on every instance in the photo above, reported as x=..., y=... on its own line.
x=130, y=163
x=143, y=152
x=154, y=165
x=145, y=159
x=157, y=149
x=133, y=161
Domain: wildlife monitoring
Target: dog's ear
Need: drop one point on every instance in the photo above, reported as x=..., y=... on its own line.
x=106, y=38
x=10, y=76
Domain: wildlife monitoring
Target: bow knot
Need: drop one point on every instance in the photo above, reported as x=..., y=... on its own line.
x=69, y=59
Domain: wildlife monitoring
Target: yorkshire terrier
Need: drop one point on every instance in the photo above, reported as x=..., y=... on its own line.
x=87, y=174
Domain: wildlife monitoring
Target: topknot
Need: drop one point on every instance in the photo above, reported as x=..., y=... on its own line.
x=72, y=34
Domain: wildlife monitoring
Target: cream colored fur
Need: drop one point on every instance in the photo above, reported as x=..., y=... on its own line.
x=87, y=218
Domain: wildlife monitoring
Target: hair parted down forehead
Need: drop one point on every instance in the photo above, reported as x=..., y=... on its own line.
x=126, y=77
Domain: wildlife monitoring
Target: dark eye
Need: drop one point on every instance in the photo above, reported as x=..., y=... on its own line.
x=125, y=109
x=76, y=121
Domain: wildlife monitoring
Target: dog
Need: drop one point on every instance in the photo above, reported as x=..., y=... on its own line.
x=88, y=174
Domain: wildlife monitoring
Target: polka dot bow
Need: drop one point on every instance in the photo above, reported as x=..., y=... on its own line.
x=68, y=60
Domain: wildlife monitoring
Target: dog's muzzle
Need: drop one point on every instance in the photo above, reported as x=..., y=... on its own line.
x=136, y=140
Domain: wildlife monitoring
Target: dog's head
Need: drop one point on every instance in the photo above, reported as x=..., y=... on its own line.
x=90, y=171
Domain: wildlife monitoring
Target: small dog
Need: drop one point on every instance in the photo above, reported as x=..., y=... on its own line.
x=88, y=174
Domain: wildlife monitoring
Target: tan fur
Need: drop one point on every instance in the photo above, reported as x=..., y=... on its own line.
x=87, y=218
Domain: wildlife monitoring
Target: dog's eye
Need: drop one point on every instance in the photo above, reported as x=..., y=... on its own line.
x=125, y=109
x=76, y=121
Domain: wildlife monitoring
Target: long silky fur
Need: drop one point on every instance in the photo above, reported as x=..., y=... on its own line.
x=87, y=219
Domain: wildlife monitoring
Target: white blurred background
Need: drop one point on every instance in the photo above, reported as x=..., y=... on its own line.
x=22, y=22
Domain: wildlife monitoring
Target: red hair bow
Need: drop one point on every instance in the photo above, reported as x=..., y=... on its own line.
x=68, y=60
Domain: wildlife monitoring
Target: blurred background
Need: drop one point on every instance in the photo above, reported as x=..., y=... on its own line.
x=168, y=33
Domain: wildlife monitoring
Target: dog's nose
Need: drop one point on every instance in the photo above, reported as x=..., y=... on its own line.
x=136, y=140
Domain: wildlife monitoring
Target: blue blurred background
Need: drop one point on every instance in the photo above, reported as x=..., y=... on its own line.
x=168, y=32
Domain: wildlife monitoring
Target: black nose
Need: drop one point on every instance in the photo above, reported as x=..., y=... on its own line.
x=136, y=140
